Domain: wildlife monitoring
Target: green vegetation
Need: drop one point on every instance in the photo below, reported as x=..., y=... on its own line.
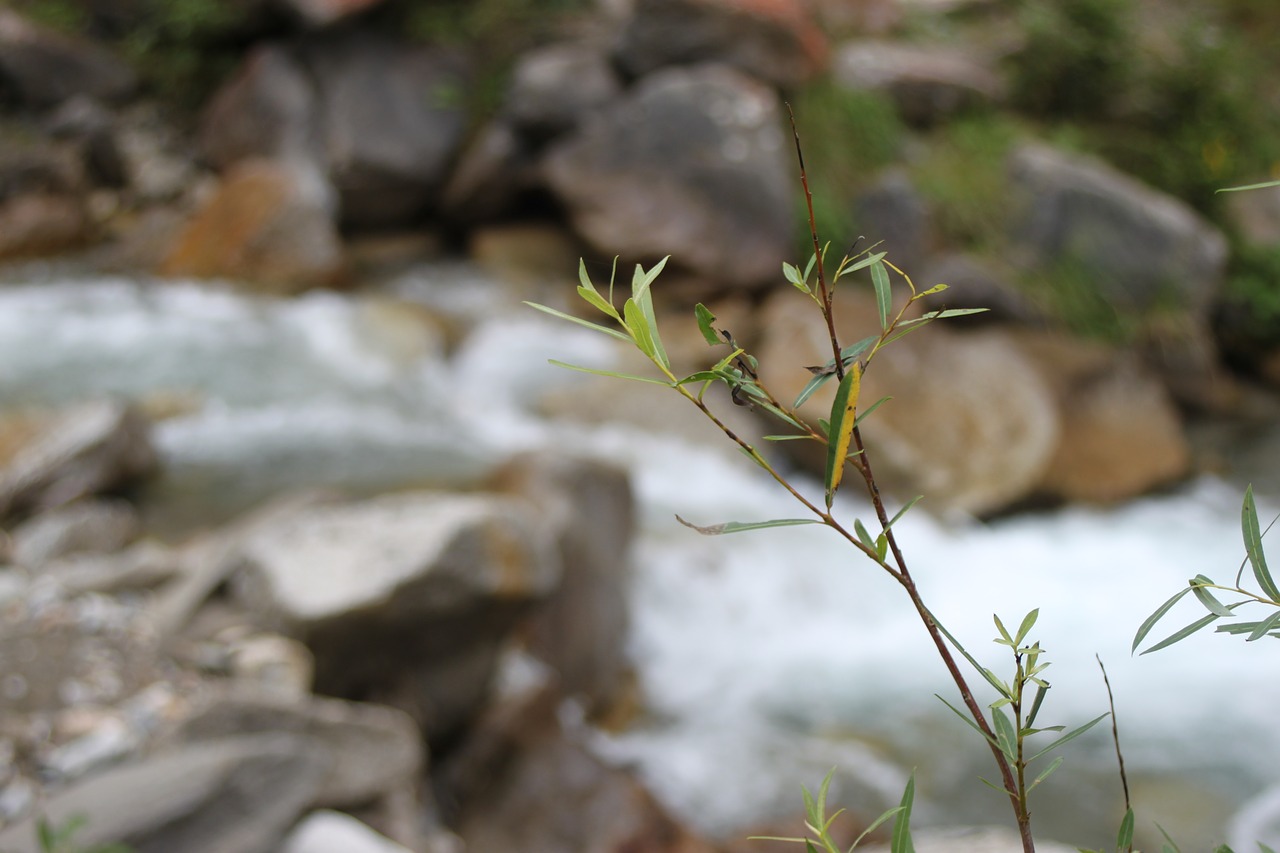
x=854, y=134
x=963, y=174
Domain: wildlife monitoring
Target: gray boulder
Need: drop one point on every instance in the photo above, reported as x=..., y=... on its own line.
x=40, y=67
x=1143, y=249
x=692, y=163
x=777, y=42
x=405, y=598
x=927, y=83
x=93, y=526
x=554, y=86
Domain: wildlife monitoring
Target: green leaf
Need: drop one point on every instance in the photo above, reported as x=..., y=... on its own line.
x=610, y=373
x=986, y=673
x=786, y=437
x=1145, y=627
x=812, y=385
x=1041, y=690
x=1180, y=635
x=1124, y=839
x=874, y=257
x=871, y=827
x=1253, y=545
x=884, y=293
x=640, y=279
x=1006, y=737
x=1170, y=844
x=597, y=302
x=1206, y=598
x=900, y=840
x=843, y=417
x=937, y=288
x=969, y=722
x=641, y=331
x=863, y=535
x=793, y=275
x=1260, y=186
x=739, y=526
x=1053, y=765
x=1069, y=736
x=705, y=319
x=905, y=508
x=1028, y=623
x=702, y=376
x=581, y=322
x=1265, y=627
x=869, y=409
x=644, y=301
x=1008, y=641
x=882, y=547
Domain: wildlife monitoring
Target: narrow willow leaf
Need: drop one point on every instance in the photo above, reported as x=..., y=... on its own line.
x=986, y=673
x=1008, y=640
x=819, y=817
x=640, y=279
x=638, y=325
x=583, y=278
x=705, y=319
x=1253, y=545
x=900, y=840
x=843, y=416
x=597, y=301
x=1124, y=838
x=786, y=437
x=863, y=535
x=1053, y=765
x=1206, y=598
x=969, y=722
x=793, y=275
x=581, y=322
x=958, y=312
x=1265, y=627
x=869, y=409
x=873, y=258
x=702, y=376
x=610, y=373
x=993, y=786
x=1260, y=186
x=1027, y=624
x=1041, y=689
x=813, y=385
x=937, y=288
x=1006, y=736
x=645, y=303
x=871, y=827
x=1179, y=636
x=884, y=293
x=905, y=508
x=1170, y=844
x=777, y=838
x=1145, y=627
x=739, y=526
x=1069, y=736
x=882, y=547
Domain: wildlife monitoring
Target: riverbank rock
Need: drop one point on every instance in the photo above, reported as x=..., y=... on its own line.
x=778, y=41
x=1143, y=250
x=691, y=163
x=405, y=598
x=269, y=223
x=88, y=449
x=41, y=68
x=927, y=83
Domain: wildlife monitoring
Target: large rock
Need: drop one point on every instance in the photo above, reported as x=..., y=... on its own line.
x=693, y=163
x=772, y=40
x=269, y=223
x=927, y=83
x=406, y=597
x=334, y=832
x=1142, y=249
x=40, y=67
x=42, y=224
x=552, y=87
x=94, y=526
x=582, y=629
x=972, y=425
x=232, y=795
x=1121, y=435
x=89, y=449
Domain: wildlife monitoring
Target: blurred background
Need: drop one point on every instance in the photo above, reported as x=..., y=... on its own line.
x=304, y=540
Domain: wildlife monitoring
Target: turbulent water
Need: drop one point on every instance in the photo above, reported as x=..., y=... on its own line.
x=764, y=658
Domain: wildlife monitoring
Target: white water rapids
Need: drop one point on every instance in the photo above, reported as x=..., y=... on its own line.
x=764, y=658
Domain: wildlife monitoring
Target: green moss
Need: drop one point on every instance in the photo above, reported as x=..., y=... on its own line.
x=1253, y=290
x=847, y=136
x=963, y=175
x=1069, y=293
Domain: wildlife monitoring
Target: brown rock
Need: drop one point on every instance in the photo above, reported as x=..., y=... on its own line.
x=1121, y=435
x=269, y=224
x=928, y=83
x=41, y=224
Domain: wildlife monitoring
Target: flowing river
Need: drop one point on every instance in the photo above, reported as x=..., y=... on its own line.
x=764, y=658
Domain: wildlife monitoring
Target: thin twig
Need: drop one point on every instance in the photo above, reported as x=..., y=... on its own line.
x=1115, y=734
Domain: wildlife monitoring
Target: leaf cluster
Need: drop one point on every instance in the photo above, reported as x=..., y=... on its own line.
x=819, y=825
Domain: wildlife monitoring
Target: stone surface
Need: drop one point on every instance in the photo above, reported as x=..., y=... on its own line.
x=892, y=212
x=41, y=224
x=318, y=13
x=334, y=832
x=368, y=750
x=976, y=282
x=233, y=795
x=582, y=629
x=270, y=224
x=40, y=67
x=405, y=598
x=692, y=163
x=972, y=424
x=773, y=40
x=1143, y=249
x=86, y=450
x=928, y=83
x=94, y=526
x=1121, y=435
x=552, y=87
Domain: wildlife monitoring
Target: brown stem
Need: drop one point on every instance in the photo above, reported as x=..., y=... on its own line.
x=944, y=651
